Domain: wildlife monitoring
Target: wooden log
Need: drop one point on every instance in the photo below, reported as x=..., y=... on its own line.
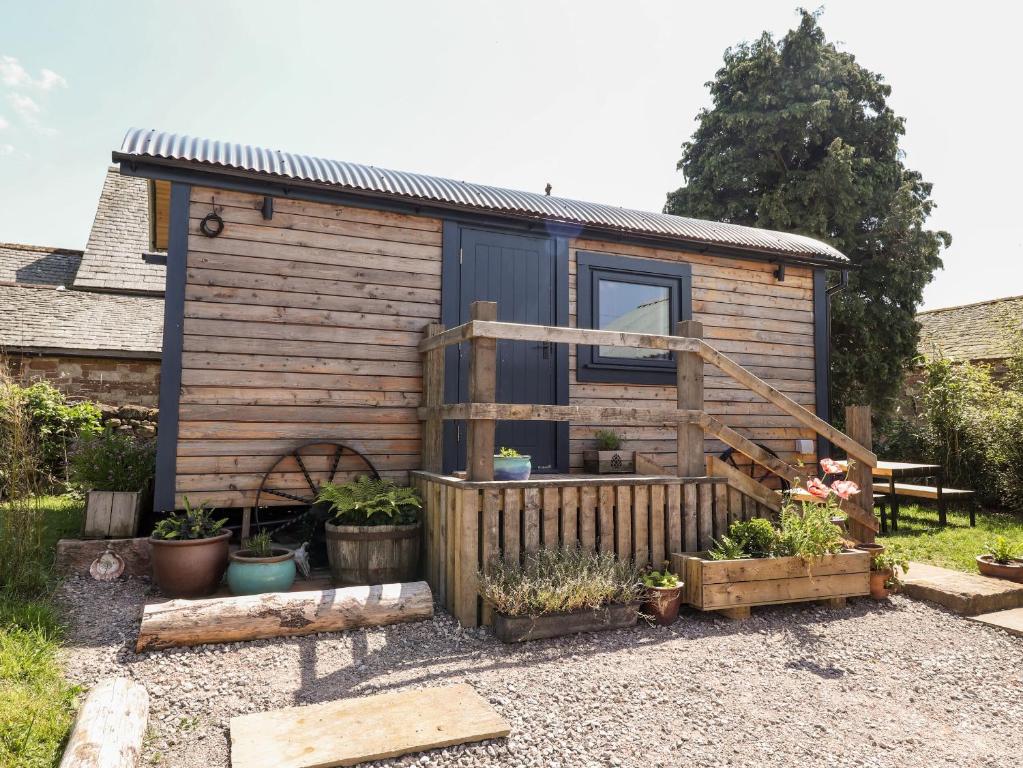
x=482, y=389
x=689, y=383
x=253, y=617
x=110, y=726
x=74, y=556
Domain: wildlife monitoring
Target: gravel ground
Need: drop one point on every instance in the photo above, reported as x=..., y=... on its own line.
x=899, y=684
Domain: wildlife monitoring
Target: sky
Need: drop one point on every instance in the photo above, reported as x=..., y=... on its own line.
x=593, y=97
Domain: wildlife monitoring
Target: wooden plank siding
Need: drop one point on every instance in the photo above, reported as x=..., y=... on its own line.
x=304, y=327
x=298, y=328
x=764, y=325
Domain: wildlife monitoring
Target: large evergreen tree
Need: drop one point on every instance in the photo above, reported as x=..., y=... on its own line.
x=800, y=139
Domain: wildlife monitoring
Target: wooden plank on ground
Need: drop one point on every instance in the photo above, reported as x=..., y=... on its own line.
x=353, y=731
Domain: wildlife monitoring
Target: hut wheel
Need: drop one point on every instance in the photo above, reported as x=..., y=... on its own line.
x=298, y=476
x=756, y=471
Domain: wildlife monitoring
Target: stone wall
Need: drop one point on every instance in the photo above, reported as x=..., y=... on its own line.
x=133, y=419
x=116, y=381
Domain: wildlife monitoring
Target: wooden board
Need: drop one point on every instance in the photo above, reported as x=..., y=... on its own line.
x=353, y=731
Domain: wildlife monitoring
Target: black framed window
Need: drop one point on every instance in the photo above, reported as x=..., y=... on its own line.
x=615, y=293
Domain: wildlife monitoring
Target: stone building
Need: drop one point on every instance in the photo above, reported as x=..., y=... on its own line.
x=985, y=332
x=91, y=322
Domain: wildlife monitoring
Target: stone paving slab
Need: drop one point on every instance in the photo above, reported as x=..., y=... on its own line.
x=1011, y=621
x=969, y=594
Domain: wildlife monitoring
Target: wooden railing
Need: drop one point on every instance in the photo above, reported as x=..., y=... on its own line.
x=691, y=352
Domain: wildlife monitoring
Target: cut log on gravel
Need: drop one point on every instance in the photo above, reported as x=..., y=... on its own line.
x=74, y=556
x=110, y=726
x=281, y=614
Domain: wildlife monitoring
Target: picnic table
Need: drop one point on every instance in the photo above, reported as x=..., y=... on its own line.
x=889, y=472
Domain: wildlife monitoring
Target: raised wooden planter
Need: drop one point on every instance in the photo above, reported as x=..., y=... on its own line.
x=112, y=514
x=516, y=629
x=734, y=586
x=609, y=462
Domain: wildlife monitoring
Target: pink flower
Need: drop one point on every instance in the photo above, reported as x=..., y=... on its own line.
x=816, y=488
x=845, y=488
x=831, y=467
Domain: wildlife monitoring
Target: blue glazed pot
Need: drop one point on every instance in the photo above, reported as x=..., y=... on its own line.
x=256, y=575
x=512, y=467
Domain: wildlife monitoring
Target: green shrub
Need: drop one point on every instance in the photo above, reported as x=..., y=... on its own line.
x=109, y=461
x=366, y=501
x=1002, y=550
x=757, y=537
x=608, y=440
x=807, y=533
x=559, y=581
x=58, y=424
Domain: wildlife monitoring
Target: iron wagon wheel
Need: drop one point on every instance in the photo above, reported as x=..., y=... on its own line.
x=728, y=456
x=298, y=476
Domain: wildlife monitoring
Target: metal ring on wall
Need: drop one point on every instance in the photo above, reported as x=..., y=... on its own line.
x=211, y=225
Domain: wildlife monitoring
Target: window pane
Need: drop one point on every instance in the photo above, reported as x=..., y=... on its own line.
x=634, y=308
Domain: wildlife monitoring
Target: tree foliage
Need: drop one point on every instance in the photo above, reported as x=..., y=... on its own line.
x=800, y=138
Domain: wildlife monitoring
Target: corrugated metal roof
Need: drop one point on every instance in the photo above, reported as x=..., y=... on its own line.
x=143, y=143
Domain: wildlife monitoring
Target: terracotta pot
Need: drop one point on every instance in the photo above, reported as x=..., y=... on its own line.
x=878, y=579
x=191, y=568
x=662, y=603
x=872, y=547
x=1013, y=571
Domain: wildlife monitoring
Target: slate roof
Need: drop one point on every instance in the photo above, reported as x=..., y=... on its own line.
x=162, y=147
x=115, y=256
x=981, y=331
x=37, y=265
x=40, y=313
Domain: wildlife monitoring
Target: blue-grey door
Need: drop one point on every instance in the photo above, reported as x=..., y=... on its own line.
x=521, y=273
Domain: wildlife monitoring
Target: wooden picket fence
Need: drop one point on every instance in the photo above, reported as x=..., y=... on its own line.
x=640, y=518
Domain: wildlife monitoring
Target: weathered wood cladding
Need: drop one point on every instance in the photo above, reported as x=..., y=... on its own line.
x=298, y=328
x=304, y=327
x=761, y=323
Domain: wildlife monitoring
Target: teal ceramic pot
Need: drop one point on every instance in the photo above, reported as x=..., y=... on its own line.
x=256, y=575
x=512, y=467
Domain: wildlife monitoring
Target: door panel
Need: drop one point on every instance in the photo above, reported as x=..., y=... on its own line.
x=519, y=273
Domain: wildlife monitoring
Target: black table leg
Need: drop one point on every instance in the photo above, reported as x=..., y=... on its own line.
x=942, y=516
x=895, y=503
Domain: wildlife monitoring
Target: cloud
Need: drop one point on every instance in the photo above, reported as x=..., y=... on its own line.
x=24, y=106
x=6, y=149
x=3, y=122
x=16, y=76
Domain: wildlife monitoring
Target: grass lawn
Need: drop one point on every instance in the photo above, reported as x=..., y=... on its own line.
x=957, y=544
x=36, y=702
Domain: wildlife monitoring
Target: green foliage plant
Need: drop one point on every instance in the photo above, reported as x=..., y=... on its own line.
x=195, y=522
x=509, y=453
x=110, y=461
x=608, y=440
x=559, y=581
x=757, y=537
x=258, y=545
x=660, y=579
x=1002, y=550
x=57, y=424
x=799, y=137
x=805, y=531
x=368, y=501
x=727, y=548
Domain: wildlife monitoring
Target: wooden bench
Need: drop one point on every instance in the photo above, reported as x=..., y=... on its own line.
x=929, y=492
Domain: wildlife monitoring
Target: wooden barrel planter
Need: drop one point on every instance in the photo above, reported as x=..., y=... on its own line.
x=373, y=554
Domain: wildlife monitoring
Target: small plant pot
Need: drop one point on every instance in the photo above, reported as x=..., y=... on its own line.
x=878, y=580
x=512, y=467
x=248, y=575
x=872, y=547
x=1013, y=570
x=191, y=568
x=609, y=462
x=662, y=603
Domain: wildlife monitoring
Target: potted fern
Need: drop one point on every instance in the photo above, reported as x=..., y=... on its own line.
x=260, y=567
x=1002, y=559
x=609, y=458
x=373, y=532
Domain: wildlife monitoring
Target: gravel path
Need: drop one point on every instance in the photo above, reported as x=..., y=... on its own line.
x=903, y=684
